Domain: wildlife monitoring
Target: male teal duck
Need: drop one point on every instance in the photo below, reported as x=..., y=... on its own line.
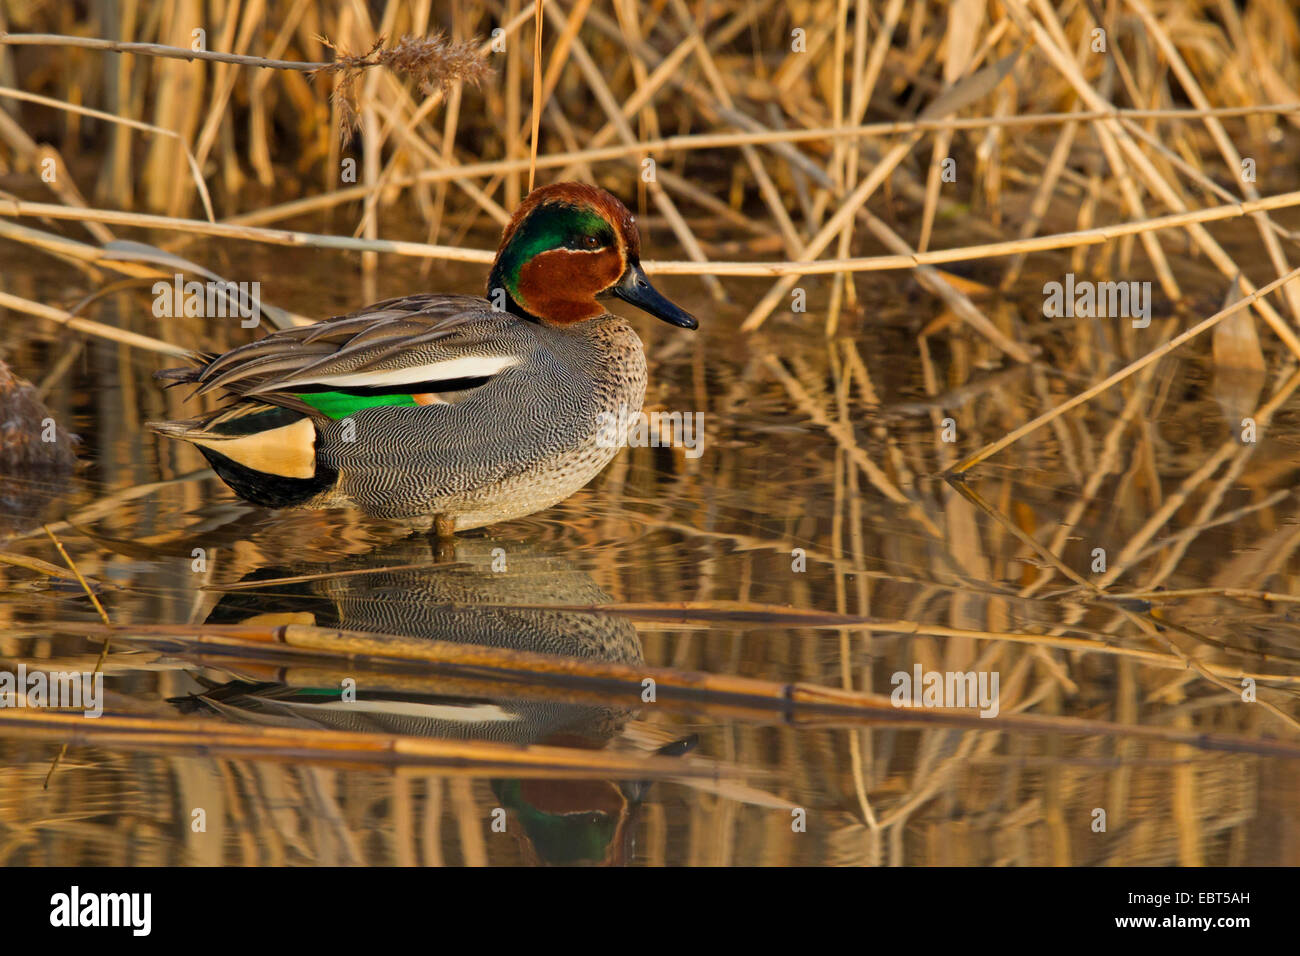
x=466, y=410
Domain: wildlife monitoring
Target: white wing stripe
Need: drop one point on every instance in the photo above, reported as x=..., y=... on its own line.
x=466, y=366
x=479, y=713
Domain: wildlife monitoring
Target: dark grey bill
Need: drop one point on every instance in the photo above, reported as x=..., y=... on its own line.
x=635, y=288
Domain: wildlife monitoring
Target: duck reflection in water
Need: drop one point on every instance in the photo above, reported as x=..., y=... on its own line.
x=475, y=601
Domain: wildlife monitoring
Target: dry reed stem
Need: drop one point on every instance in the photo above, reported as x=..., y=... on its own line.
x=697, y=141
x=1012, y=437
x=1229, y=152
x=1150, y=176
x=122, y=121
x=1129, y=555
x=51, y=314
x=537, y=97
x=692, y=690
x=828, y=232
x=344, y=748
x=60, y=183
x=609, y=103
x=1095, y=236
x=103, y=616
x=157, y=50
x=955, y=299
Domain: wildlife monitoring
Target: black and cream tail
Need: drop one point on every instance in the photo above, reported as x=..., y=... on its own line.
x=265, y=453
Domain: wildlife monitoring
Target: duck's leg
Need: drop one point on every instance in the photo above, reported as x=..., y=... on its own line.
x=445, y=525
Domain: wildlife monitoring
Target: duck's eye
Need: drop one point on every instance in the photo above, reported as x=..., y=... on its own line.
x=591, y=242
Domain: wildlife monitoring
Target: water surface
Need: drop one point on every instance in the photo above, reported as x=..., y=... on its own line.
x=819, y=488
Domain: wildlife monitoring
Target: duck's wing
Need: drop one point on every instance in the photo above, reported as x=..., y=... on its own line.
x=416, y=350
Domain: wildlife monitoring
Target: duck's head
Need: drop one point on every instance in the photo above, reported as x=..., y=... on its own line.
x=568, y=245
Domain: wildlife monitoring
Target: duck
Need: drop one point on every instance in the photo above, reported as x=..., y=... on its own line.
x=456, y=410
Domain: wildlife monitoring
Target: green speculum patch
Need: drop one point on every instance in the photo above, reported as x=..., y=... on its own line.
x=337, y=405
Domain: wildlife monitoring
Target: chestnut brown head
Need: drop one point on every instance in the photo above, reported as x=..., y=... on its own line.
x=568, y=245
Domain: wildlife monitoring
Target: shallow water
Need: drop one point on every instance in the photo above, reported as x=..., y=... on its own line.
x=878, y=533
